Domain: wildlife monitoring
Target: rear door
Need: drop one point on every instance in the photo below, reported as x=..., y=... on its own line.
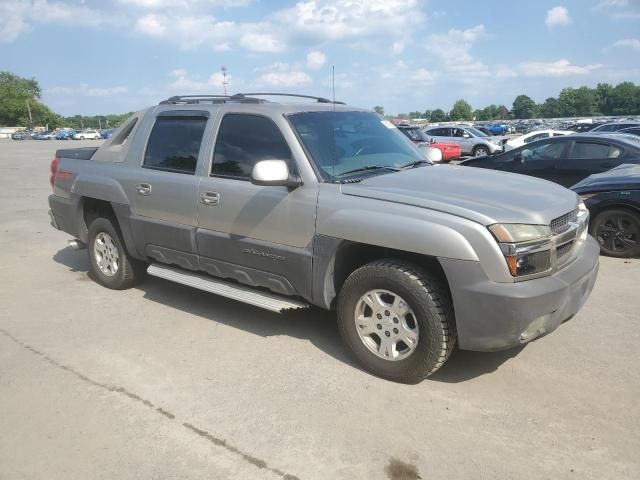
x=586, y=157
x=164, y=192
x=258, y=235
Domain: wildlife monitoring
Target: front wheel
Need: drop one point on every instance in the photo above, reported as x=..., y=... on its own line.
x=480, y=151
x=397, y=320
x=111, y=264
x=618, y=232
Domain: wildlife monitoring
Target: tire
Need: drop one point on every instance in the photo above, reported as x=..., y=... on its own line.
x=480, y=151
x=105, y=243
x=617, y=230
x=430, y=318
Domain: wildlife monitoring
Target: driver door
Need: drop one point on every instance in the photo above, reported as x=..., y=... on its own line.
x=538, y=160
x=257, y=235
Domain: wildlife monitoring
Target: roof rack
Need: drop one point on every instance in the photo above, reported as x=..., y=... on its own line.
x=238, y=97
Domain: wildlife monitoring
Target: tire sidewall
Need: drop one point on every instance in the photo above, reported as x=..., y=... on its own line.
x=478, y=149
x=422, y=359
x=105, y=225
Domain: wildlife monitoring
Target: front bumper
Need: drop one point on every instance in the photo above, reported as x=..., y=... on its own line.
x=493, y=316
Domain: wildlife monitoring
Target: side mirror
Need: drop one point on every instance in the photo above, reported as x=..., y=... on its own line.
x=466, y=135
x=430, y=153
x=273, y=173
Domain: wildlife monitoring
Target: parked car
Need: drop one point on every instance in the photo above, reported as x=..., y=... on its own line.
x=565, y=160
x=87, y=135
x=471, y=141
x=631, y=131
x=104, y=134
x=65, y=134
x=613, y=199
x=417, y=136
x=497, y=128
x=532, y=137
x=22, y=135
x=582, y=127
x=42, y=135
x=483, y=129
x=614, y=127
x=290, y=205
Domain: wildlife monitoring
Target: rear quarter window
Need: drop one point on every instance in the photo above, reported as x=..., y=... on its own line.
x=174, y=144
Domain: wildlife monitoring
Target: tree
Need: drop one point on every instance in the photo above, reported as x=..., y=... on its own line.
x=625, y=99
x=15, y=92
x=379, y=110
x=502, y=112
x=461, y=111
x=550, y=108
x=438, y=115
x=524, y=107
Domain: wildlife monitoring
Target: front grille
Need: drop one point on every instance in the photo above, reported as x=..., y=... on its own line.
x=561, y=224
x=563, y=250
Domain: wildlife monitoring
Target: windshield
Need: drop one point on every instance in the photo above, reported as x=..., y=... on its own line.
x=475, y=132
x=415, y=134
x=347, y=143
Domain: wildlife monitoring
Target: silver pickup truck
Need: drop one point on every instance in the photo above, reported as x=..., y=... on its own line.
x=287, y=205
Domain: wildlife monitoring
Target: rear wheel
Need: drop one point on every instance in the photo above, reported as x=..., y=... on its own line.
x=618, y=232
x=397, y=320
x=111, y=264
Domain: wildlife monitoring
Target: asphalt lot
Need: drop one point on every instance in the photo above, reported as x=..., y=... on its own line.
x=166, y=382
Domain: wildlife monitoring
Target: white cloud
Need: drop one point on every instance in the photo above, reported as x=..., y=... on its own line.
x=316, y=59
x=453, y=49
x=283, y=75
x=632, y=43
x=85, y=90
x=187, y=5
x=557, y=17
x=341, y=19
x=18, y=16
x=560, y=68
x=422, y=76
x=151, y=25
x=256, y=41
x=618, y=9
x=212, y=85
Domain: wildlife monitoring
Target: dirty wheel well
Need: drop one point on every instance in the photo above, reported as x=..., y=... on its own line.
x=93, y=208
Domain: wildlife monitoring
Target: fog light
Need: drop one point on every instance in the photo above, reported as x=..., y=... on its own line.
x=536, y=328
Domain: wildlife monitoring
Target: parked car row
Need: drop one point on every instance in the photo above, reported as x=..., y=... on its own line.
x=63, y=134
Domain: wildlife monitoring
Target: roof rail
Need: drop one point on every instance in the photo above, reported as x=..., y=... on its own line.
x=238, y=97
x=317, y=99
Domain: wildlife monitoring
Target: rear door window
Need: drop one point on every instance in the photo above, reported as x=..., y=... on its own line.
x=174, y=144
x=243, y=140
x=586, y=150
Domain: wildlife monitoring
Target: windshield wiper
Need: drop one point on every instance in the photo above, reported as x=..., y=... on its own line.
x=417, y=163
x=370, y=167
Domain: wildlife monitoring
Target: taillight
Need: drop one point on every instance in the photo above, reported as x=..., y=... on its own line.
x=54, y=170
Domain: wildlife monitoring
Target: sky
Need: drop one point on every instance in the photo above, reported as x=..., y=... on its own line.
x=113, y=56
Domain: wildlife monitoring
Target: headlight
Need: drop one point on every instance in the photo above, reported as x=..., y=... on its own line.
x=526, y=248
x=519, y=232
x=495, y=142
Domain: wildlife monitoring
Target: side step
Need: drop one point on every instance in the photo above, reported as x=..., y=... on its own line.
x=268, y=301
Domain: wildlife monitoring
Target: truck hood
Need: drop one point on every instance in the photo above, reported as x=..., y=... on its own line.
x=484, y=196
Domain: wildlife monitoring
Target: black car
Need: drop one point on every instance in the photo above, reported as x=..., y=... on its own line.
x=582, y=127
x=631, y=131
x=565, y=160
x=613, y=200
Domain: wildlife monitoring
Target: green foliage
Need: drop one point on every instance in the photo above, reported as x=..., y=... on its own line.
x=524, y=107
x=17, y=96
x=438, y=115
x=79, y=122
x=379, y=109
x=461, y=111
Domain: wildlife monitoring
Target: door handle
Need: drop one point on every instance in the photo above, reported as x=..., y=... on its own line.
x=210, y=198
x=143, y=189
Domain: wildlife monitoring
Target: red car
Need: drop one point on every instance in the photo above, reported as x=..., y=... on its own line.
x=449, y=150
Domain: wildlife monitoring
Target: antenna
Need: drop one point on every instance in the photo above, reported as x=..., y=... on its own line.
x=225, y=82
x=333, y=122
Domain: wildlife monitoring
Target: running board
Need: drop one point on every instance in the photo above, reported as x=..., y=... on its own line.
x=268, y=301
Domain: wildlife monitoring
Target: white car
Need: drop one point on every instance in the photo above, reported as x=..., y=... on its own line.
x=533, y=136
x=87, y=135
